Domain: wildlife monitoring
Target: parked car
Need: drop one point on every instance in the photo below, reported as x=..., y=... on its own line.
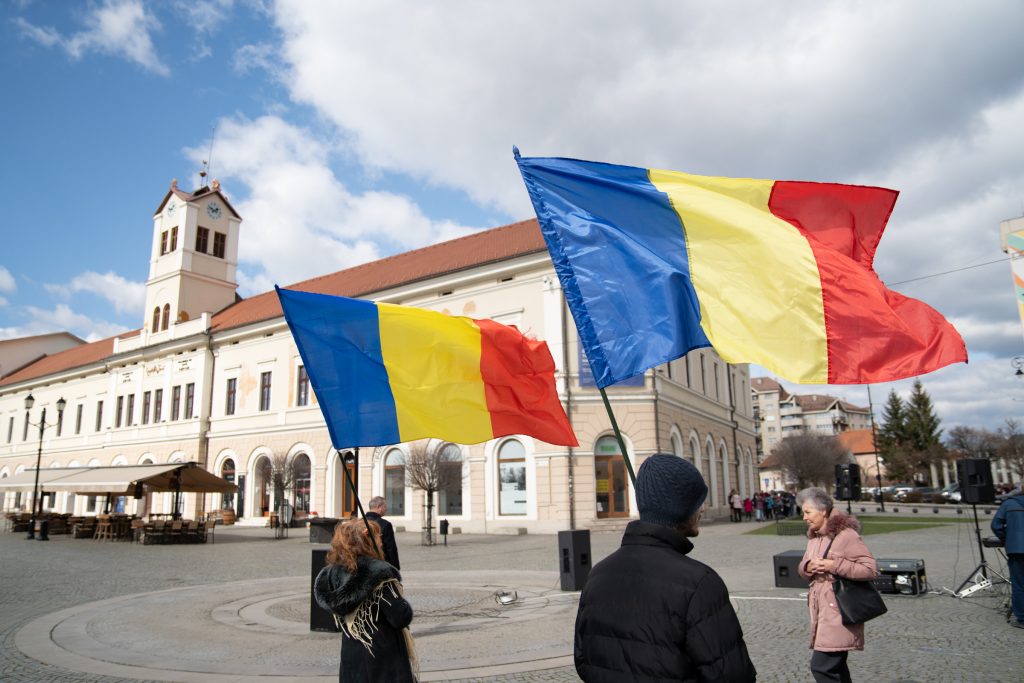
x=918, y=494
x=952, y=492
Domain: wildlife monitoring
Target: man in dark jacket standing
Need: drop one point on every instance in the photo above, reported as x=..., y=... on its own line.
x=378, y=508
x=1008, y=525
x=649, y=612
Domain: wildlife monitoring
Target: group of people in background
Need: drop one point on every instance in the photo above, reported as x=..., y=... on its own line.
x=762, y=506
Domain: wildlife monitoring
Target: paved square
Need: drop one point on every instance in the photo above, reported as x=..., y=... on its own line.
x=78, y=610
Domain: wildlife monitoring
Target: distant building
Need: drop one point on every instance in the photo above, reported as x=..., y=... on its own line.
x=860, y=444
x=17, y=353
x=778, y=414
x=215, y=379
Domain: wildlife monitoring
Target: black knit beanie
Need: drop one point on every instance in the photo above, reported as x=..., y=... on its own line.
x=669, y=490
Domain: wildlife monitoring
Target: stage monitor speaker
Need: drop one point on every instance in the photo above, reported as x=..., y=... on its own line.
x=786, y=572
x=574, y=558
x=975, y=477
x=848, y=481
x=319, y=618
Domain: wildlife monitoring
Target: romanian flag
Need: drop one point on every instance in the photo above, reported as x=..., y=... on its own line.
x=386, y=374
x=657, y=263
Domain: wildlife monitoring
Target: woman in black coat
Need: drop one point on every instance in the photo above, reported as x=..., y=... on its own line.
x=365, y=594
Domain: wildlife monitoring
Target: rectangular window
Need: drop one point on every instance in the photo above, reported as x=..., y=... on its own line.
x=717, y=390
x=10, y=430
x=175, y=402
x=99, y=416
x=60, y=422
x=229, y=397
x=302, y=391
x=24, y=433
x=118, y=411
x=90, y=503
x=163, y=243
x=129, y=410
x=174, y=239
x=703, y=377
x=686, y=359
x=220, y=241
x=147, y=399
x=158, y=405
x=202, y=239
x=190, y=399
x=265, y=391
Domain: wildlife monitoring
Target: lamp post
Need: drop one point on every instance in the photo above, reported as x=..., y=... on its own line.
x=37, y=504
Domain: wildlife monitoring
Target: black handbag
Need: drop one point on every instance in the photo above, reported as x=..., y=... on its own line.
x=858, y=601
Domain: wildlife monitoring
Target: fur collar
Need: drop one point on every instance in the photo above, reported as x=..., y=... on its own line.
x=342, y=592
x=837, y=521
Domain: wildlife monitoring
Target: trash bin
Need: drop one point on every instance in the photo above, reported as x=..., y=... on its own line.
x=574, y=558
x=321, y=529
x=319, y=618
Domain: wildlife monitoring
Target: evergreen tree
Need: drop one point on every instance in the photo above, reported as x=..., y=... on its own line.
x=924, y=438
x=893, y=441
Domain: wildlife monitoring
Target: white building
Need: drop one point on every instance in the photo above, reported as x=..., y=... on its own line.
x=215, y=379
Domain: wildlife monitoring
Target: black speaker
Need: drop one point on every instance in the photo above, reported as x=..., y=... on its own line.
x=574, y=558
x=975, y=477
x=138, y=491
x=848, y=481
x=786, y=566
x=319, y=618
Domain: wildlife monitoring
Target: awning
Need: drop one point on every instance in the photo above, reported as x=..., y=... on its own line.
x=121, y=481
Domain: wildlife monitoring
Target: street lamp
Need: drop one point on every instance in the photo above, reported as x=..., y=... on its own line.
x=37, y=504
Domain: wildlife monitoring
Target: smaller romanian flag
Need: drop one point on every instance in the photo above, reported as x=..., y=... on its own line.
x=779, y=273
x=386, y=374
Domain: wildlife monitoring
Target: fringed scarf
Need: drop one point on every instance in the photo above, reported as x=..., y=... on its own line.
x=355, y=599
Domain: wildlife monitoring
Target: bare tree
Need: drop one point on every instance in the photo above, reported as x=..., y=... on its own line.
x=1012, y=447
x=808, y=459
x=280, y=472
x=432, y=467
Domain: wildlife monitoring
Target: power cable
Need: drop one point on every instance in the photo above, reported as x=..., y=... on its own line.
x=947, y=272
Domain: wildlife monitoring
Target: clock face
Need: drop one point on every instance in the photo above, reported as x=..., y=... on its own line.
x=213, y=210
x=170, y=209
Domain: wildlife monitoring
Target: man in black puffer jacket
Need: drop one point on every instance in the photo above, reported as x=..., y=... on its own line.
x=649, y=612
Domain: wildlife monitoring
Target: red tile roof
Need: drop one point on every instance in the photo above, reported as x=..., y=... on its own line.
x=768, y=384
x=478, y=249
x=857, y=441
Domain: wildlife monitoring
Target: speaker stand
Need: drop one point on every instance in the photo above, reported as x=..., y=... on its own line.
x=979, y=579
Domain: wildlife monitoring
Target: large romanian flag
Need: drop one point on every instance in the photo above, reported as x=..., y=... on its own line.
x=386, y=374
x=656, y=263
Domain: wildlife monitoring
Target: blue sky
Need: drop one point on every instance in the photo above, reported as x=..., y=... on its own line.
x=349, y=131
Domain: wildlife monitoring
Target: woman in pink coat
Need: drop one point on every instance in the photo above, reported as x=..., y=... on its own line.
x=831, y=640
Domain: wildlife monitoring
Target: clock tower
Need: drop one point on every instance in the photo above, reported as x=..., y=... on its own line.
x=194, y=257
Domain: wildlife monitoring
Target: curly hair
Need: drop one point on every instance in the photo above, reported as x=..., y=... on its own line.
x=351, y=540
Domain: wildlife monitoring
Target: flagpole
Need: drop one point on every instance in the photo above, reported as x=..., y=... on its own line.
x=874, y=447
x=355, y=494
x=618, y=437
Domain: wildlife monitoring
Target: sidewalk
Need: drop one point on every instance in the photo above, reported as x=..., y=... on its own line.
x=76, y=610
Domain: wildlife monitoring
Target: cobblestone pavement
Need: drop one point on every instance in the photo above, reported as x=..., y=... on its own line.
x=934, y=637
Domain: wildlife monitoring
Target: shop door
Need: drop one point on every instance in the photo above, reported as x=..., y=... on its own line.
x=348, y=501
x=612, y=486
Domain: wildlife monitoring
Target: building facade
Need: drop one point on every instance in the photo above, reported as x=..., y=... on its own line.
x=778, y=414
x=217, y=380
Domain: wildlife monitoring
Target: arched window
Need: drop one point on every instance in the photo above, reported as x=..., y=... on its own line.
x=511, y=478
x=156, y=319
x=227, y=472
x=301, y=468
x=677, y=447
x=394, y=481
x=167, y=316
x=450, y=497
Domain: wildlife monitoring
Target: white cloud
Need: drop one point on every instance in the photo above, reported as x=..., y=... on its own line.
x=7, y=283
x=300, y=220
x=255, y=57
x=126, y=296
x=116, y=27
x=61, y=319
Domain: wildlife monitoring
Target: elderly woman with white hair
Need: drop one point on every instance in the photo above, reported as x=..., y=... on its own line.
x=834, y=549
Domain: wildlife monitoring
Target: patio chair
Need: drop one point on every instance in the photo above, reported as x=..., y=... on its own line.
x=104, y=528
x=211, y=526
x=174, y=533
x=138, y=530
x=153, y=532
x=190, y=534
